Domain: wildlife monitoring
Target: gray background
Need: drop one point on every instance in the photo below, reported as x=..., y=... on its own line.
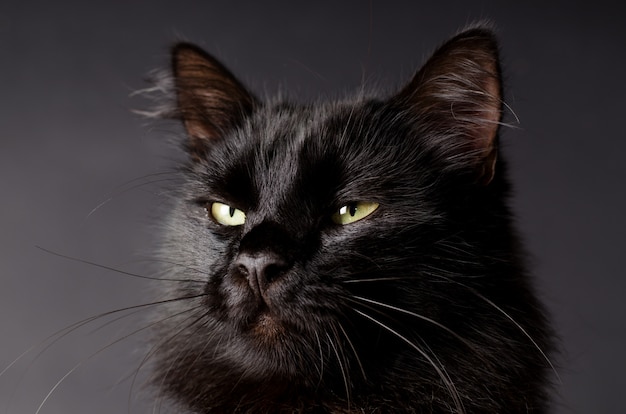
x=68, y=142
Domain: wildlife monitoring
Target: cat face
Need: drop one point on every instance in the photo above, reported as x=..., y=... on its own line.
x=292, y=203
x=337, y=253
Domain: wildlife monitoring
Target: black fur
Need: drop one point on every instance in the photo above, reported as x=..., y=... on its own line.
x=423, y=306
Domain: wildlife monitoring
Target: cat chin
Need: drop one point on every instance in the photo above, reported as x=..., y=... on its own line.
x=263, y=358
x=267, y=328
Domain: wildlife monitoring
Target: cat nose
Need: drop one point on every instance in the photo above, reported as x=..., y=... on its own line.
x=260, y=269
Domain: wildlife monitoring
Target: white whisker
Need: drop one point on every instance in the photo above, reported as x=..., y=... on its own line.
x=343, y=370
x=509, y=317
x=422, y=317
x=78, y=365
x=377, y=279
x=440, y=370
x=321, y=370
x=164, y=341
x=356, y=355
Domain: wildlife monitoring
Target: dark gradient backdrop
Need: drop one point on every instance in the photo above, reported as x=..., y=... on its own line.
x=68, y=142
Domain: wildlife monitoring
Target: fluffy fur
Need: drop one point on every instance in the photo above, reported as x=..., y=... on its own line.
x=422, y=306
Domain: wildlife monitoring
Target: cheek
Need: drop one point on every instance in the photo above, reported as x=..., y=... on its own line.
x=193, y=252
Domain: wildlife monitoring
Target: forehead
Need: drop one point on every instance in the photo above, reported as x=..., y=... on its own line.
x=316, y=154
x=289, y=153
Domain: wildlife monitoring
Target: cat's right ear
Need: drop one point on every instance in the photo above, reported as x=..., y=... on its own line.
x=210, y=100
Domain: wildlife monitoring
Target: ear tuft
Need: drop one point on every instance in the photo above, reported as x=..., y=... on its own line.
x=210, y=100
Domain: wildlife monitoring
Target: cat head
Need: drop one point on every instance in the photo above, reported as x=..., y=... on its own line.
x=341, y=247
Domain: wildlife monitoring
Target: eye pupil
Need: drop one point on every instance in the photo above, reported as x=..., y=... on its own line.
x=353, y=209
x=231, y=211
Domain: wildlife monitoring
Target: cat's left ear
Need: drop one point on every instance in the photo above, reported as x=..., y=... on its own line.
x=210, y=100
x=456, y=99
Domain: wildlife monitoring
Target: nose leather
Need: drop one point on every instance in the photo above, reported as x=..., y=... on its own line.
x=261, y=269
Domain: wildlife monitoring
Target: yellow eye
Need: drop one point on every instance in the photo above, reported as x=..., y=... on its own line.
x=353, y=212
x=227, y=215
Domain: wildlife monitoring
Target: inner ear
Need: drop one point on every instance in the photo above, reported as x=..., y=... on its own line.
x=210, y=100
x=457, y=98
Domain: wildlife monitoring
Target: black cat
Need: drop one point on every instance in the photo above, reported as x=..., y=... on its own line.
x=348, y=257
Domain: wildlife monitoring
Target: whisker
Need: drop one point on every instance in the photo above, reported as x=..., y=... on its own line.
x=512, y=112
x=21, y=379
x=112, y=321
x=509, y=317
x=54, y=338
x=422, y=317
x=82, y=362
x=124, y=188
x=56, y=386
x=111, y=198
x=155, y=347
x=344, y=373
x=378, y=279
x=61, y=333
x=341, y=351
x=123, y=272
x=16, y=360
x=356, y=355
x=184, y=266
x=440, y=370
x=321, y=370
